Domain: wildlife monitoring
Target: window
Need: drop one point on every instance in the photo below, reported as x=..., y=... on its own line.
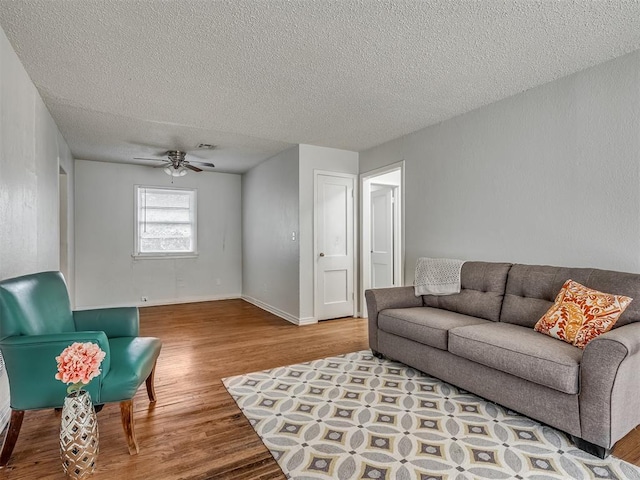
x=165, y=222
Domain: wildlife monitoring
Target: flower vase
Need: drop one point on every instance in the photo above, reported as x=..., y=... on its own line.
x=78, y=435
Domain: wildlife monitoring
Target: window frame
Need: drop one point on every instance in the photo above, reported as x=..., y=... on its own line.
x=193, y=207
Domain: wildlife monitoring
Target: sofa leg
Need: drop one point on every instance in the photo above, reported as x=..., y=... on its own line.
x=592, y=448
x=151, y=387
x=126, y=414
x=377, y=354
x=15, y=423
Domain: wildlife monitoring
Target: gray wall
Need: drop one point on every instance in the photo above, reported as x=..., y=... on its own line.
x=313, y=159
x=107, y=275
x=278, y=200
x=269, y=218
x=548, y=176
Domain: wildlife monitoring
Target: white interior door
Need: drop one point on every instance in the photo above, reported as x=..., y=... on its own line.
x=382, y=229
x=334, y=247
x=390, y=176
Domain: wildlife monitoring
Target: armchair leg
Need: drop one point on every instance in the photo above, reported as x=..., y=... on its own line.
x=151, y=387
x=126, y=414
x=11, y=437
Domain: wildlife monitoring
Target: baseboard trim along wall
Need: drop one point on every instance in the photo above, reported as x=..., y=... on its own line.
x=308, y=321
x=276, y=311
x=254, y=301
x=175, y=301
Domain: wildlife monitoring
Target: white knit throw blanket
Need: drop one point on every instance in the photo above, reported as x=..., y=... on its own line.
x=437, y=276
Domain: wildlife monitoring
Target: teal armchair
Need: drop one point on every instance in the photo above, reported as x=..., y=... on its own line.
x=36, y=324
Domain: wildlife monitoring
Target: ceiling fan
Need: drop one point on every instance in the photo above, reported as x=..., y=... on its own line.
x=176, y=164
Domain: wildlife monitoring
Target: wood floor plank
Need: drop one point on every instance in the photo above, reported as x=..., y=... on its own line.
x=195, y=430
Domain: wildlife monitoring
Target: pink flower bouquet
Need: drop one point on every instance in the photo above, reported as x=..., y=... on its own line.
x=78, y=364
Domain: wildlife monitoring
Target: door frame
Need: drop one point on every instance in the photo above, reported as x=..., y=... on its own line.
x=395, y=234
x=354, y=177
x=65, y=232
x=366, y=179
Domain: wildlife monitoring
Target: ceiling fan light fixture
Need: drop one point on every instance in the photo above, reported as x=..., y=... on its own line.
x=175, y=172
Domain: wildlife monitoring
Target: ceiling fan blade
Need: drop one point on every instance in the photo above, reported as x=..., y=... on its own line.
x=205, y=164
x=151, y=159
x=191, y=167
x=165, y=164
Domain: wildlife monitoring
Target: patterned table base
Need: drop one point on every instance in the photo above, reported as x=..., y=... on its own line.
x=357, y=417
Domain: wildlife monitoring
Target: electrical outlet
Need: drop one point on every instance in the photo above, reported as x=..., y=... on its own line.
x=144, y=299
x=218, y=282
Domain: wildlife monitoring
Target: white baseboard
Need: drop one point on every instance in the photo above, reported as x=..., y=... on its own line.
x=254, y=301
x=173, y=301
x=308, y=321
x=276, y=311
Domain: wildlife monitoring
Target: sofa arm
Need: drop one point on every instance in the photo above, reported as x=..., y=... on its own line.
x=31, y=366
x=610, y=386
x=381, y=299
x=114, y=322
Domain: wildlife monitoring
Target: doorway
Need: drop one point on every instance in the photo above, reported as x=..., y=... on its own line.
x=382, y=229
x=334, y=245
x=63, y=192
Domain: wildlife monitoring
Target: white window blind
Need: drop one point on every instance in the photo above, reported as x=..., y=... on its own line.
x=165, y=222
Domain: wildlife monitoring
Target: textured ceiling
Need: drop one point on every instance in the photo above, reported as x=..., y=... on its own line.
x=129, y=78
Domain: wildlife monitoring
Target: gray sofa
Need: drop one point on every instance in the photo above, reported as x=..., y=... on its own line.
x=483, y=341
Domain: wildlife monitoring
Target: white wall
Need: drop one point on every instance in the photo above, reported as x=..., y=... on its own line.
x=270, y=247
x=548, y=176
x=315, y=158
x=106, y=273
x=31, y=149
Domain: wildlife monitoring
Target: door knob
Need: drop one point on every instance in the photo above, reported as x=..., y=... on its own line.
x=322, y=254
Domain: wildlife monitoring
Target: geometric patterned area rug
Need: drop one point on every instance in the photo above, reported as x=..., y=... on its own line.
x=355, y=416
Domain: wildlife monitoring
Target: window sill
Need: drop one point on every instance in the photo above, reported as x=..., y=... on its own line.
x=159, y=256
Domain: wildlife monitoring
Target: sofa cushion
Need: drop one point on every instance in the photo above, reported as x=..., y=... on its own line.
x=426, y=325
x=532, y=289
x=580, y=314
x=520, y=351
x=482, y=289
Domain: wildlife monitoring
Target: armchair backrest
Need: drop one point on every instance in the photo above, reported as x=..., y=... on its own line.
x=35, y=304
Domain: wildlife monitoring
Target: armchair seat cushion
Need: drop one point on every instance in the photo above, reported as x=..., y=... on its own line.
x=132, y=359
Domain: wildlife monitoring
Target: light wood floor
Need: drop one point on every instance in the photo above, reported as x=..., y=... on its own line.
x=196, y=431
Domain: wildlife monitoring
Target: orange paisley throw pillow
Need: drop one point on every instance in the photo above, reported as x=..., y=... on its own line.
x=580, y=314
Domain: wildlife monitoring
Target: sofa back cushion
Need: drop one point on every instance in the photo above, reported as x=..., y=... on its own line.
x=531, y=290
x=482, y=290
